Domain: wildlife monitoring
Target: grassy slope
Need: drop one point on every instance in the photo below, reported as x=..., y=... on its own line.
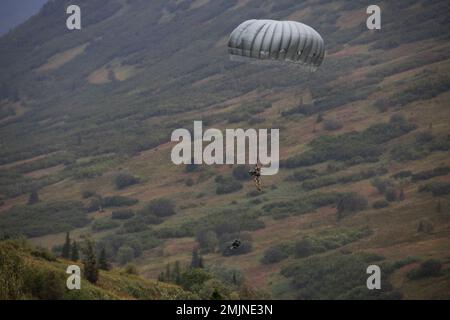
x=395, y=228
x=112, y=285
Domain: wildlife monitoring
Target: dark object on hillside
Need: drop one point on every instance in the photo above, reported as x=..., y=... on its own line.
x=256, y=174
x=33, y=198
x=236, y=244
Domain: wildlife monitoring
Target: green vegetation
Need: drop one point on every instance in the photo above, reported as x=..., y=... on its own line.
x=316, y=278
x=59, y=145
x=436, y=188
x=349, y=204
x=43, y=218
x=26, y=275
x=124, y=180
x=365, y=144
x=159, y=208
x=429, y=268
x=227, y=185
x=327, y=241
x=122, y=214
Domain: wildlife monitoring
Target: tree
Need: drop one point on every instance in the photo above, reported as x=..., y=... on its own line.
x=125, y=254
x=160, y=207
x=439, y=207
x=90, y=262
x=350, y=203
x=319, y=118
x=177, y=272
x=216, y=295
x=197, y=261
x=66, y=247
x=168, y=275
x=390, y=195
x=124, y=180
x=33, y=198
x=74, y=256
x=401, y=197
x=103, y=261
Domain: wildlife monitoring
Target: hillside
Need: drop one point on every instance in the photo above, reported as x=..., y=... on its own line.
x=86, y=119
x=31, y=273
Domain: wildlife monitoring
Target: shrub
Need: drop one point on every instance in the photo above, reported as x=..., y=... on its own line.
x=131, y=268
x=104, y=224
x=87, y=194
x=33, y=198
x=332, y=125
x=227, y=185
x=124, y=180
x=380, y=204
x=313, y=278
x=133, y=225
x=125, y=254
x=160, y=207
x=118, y=201
x=273, y=255
x=207, y=240
x=382, y=185
x=402, y=174
x=390, y=195
x=351, y=203
x=425, y=226
x=428, y=174
x=429, y=268
x=436, y=188
x=43, y=218
x=241, y=172
x=122, y=214
x=306, y=247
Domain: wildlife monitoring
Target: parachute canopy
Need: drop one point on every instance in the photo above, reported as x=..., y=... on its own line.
x=280, y=41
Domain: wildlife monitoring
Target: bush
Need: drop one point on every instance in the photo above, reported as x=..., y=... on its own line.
x=306, y=247
x=390, y=195
x=380, y=204
x=122, y=214
x=124, y=180
x=160, y=208
x=429, y=268
x=314, y=278
x=118, y=201
x=227, y=185
x=382, y=185
x=428, y=174
x=131, y=269
x=104, y=224
x=351, y=203
x=366, y=145
x=273, y=255
x=87, y=194
x=425, y=226
x=133, y=225
x=207, y=240
x=436, y=188
x=241, y=172
x=125, y=254
x=402, y=174
x=332, y=125
x=43, y=218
